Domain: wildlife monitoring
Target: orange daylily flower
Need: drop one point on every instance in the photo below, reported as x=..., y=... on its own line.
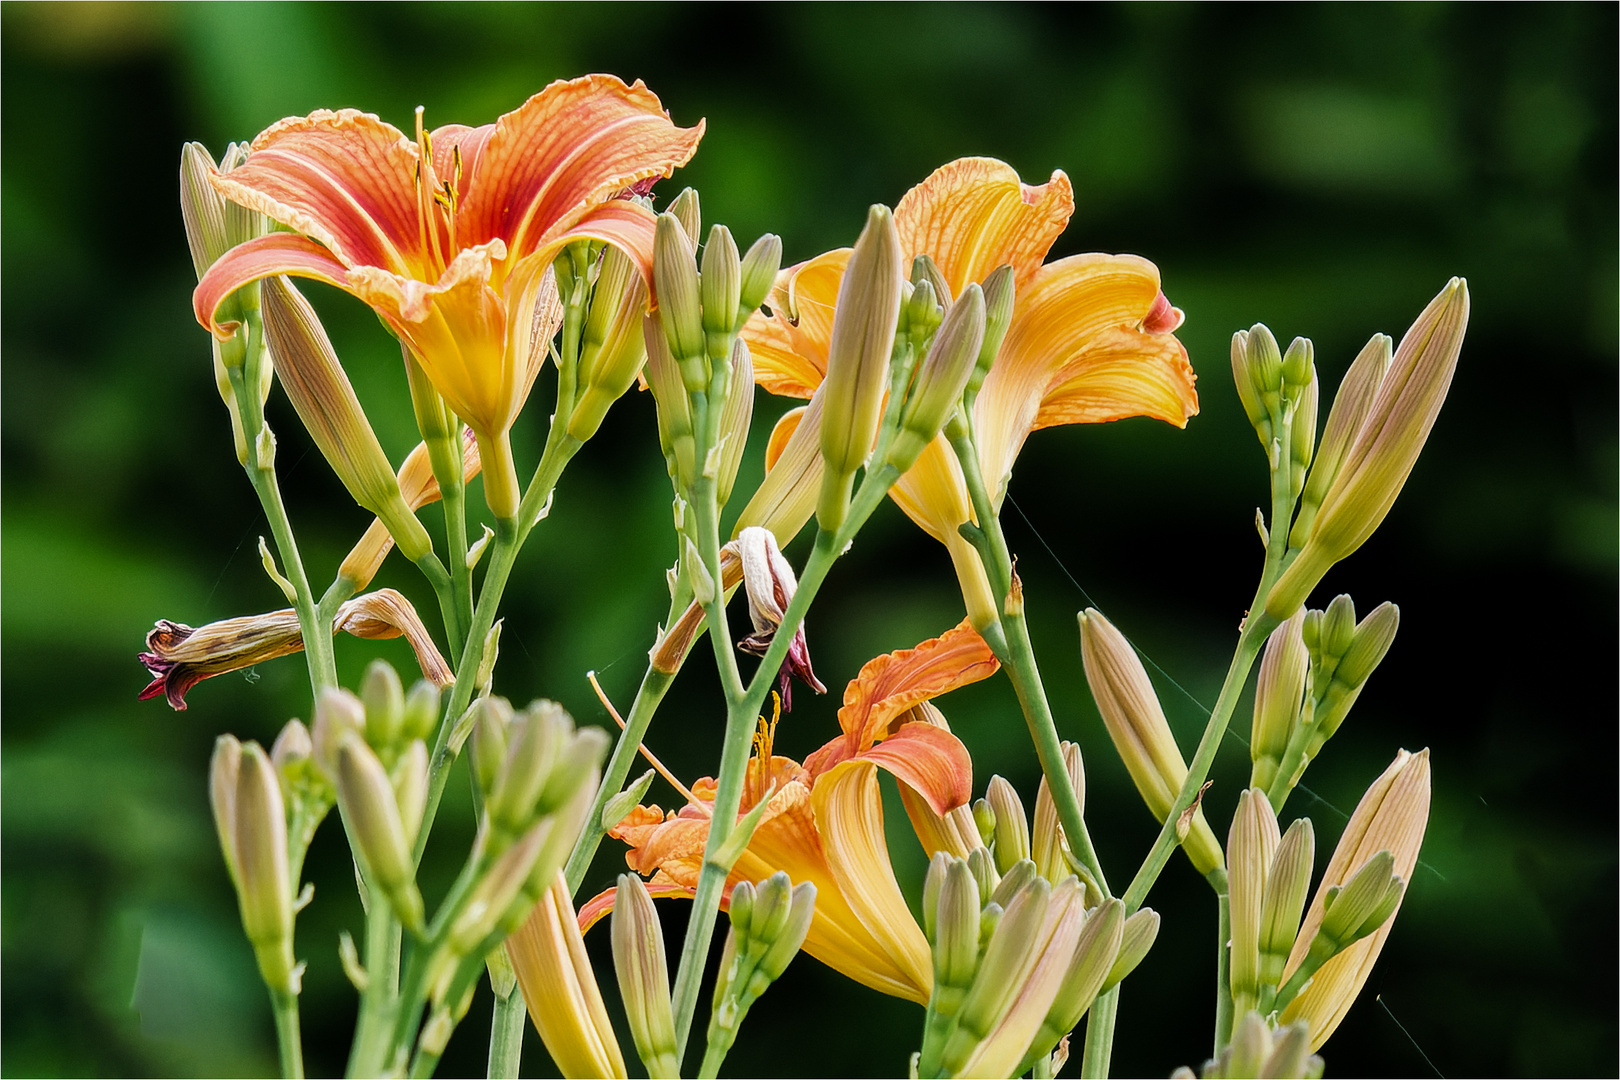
x=824, y=819
x=450, y=236
x=1091, y=340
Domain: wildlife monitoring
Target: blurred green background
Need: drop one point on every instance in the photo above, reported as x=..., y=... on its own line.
x=1322, y=168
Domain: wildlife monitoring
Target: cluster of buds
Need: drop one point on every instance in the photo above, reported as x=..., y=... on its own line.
x=1379, y=422
x=1314, y=667
x=373, y=749
x=1136, y=724
x=1023, y=939
x=697, y=367
x=769, y=921
x=1257, y=1050
x=1311, y=970
x=1279, y=394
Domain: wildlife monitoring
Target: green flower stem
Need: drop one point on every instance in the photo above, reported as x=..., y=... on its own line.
x=262, y=475
x=288, y=1041
x=1099, y=1048
x=444, y=590
x=1017, y=654
x=739, y=730
x=506, y=1035
x=654, y=684
x=453, y=499
x=373, y=1043
x=1223, y=959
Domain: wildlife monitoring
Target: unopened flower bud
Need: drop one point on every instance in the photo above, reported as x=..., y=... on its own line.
x=384, y=699
x=1392, y=816
x=921, y=312
x=612, y=347
x=1286, y=889
x=688, y=210
x=1136, y=724
x=421, y=715
x=368, y=804
x=1012, y=827
x=410, y=778
x=638, y=959
x=534, y=740
x=1358, y=908
x=1047, y=842
x=1368, y=646
x=339, y=717
x=325, y=401
x=1141, y=930
x=1345, y=418
x=756, y=954
x=1302, y=432
x=956, y=925
x=1278, y=694
x=492, y=717
x=937, y=389
x=735, y=419
x=1385, y=449
x=675, y=433
x=292, y=748
x=1000, y=294
x=264, y=886
x=1299, y=363
x=721, y=291
x=223, y=769
x=1250, y=848
x=680, y=310
x=759, y=269
x=863, y=331
x=1095, y=955
x=1257, y=371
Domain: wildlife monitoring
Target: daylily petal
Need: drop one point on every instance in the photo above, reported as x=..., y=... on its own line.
x=953, y=832
x=849, y=817
x=1066, y=308
x=790, y=345
x=932, y=492
x=1124, y=373
x=261, y=257
x=344, y=178
x=932, y=762
x=453, y=140
x=974, y=215
x=573, y=145
x=891, y=684
x=786, y=498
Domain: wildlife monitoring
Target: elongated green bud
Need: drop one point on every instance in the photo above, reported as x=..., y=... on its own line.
x=924, y=270
x=612, y=349
x=863, y=333
x=535, y=740
x=1362, y=905
x=496, y=891
x=1350, y=407
x=1012, y=827
x=688, y=210
x=1047, y=842
x=223, y=769
x=410, y=778
x=1302, y=429
x=721, y=291
x=1141, y=930
x=768, y=928
x=368, y=804
x=1368, y=646
x=264, y=884
x=384, y=698
x=1257, y=371
x=735, y=419
x=956, y=927
x=759, y=269
x=1385, y=449
x=1277, y=698
x=638, y=958
x=339, y=717
x=492, y=717
x=675, y=434
x=1250, y=849
x=1285, y=894
x=325, y=401
x=937, y=389
x=420, y=718
x=1095, y=956
x=921, y=313
x=1000, y=295
x=680, y=310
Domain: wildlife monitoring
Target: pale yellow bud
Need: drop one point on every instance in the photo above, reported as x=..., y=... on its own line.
x=1047, y=842
x=264, y=885
x=675, y=433
x=1350, y=407
x=1136, y=724
x=1278, y=695
x=638, y=959
x=1250, y=849
x=613, y=348
x=735, y=419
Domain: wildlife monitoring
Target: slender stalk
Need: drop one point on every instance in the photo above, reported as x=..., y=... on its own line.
x=654, y=684
x=453, y=497
x=506, y=1035
x=1099, y=1047
x=1223, y=959
x=373, y=1044
x=288, y=1041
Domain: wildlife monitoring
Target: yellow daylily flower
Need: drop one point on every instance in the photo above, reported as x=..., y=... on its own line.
x=1091, y=340
x=450, y=236
x=824, y=819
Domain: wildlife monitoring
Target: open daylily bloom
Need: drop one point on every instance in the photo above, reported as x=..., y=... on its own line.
x=824, y=819
x=450, y=236
x=1091, y=340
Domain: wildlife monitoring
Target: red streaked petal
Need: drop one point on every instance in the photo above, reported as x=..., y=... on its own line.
x=891, y=684
x=574, y=144
x=929, y=759
x=344, y=178
x=261, y=257
x=470, y=141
